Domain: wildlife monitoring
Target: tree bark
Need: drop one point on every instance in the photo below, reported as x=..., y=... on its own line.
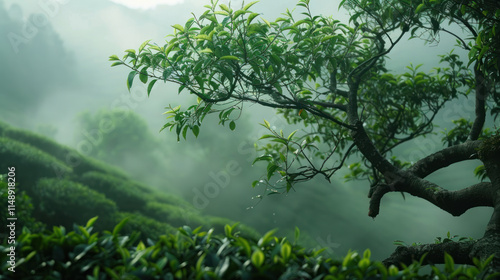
x=482, y=194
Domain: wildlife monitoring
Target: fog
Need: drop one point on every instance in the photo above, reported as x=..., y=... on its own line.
x=55, y=66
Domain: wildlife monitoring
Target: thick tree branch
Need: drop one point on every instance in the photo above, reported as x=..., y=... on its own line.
x=445, y=157
x=434, y=253
x=330, y=105
x=481, y=94
x=453, y=202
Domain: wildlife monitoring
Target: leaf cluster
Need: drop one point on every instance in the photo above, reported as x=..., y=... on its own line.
x=195, y=254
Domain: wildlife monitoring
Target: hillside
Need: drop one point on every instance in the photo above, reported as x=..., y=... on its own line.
x=64, y=187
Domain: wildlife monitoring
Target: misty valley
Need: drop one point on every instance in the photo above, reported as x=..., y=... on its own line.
x=214, y=139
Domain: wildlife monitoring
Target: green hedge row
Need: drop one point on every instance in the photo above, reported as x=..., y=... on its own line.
x=64, y=202
x=31, y=163
x=69, y=157
x=194, y=254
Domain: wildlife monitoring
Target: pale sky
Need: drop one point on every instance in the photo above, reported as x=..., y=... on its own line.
x=146, y=4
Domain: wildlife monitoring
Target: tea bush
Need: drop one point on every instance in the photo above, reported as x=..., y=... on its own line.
x=128, y=196
x=68, y=156
x=35, y=163
x=196, y=254
x=64, y=202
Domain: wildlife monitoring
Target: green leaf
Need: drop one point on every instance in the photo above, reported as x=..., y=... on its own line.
x=247, y=6
x=255, y=183
x=265, y=136
x=327, y=37
x=200, y=262
x=245, y=245
x=143, y=76
x=167, y=73
x=301, y=22
x=267, y=22
x=130, y=79
x=225, y=8
x=196, y=131
x=178, y=27
x=303, y=114
x=143, y=45
x=228, y=230
x=419, y=7
x=251, y=17
x=150, y=86
x=286, y=251
x=367, y=254
x=113, y=58
x=229, y=57
x=291, y=135
x=238, y=13
x=119, y=226
x=263, y=158
x=449, y=264
x=267, y=125
x=91, y=221
x=203, y=37
x=184, y=132
x=111, y=273
x=117, y=63
x=297, y=234
x=271, y=168
x=207, y=50
x=258, y=258
x=268, y=237
x=232, y=125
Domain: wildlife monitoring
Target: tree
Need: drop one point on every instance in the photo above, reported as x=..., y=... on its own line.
x=121, y=138
x=330, y=79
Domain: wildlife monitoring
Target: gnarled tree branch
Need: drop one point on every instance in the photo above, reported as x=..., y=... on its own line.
x=453, y=202
x=445, y=157
x=434, y=253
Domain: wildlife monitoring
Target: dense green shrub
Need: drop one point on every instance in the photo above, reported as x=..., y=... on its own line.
x=171, y=199
x=145, y=227
x=64, y=202
x=68, y=156
x=23, y=210
x=3, y=127
x=196, y=254
x=219, y=224
x=174, y=215
x=38, y=141
x=30, y=162
x=116, y=134
x=86, y=164
x=128, y=195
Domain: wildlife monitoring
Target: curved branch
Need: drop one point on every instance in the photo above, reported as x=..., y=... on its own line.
x=464, y=45
x=445, y=157
x=454, y=202
x=297, y=105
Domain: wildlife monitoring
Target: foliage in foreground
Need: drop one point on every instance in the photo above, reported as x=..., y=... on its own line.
x=196, y=254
